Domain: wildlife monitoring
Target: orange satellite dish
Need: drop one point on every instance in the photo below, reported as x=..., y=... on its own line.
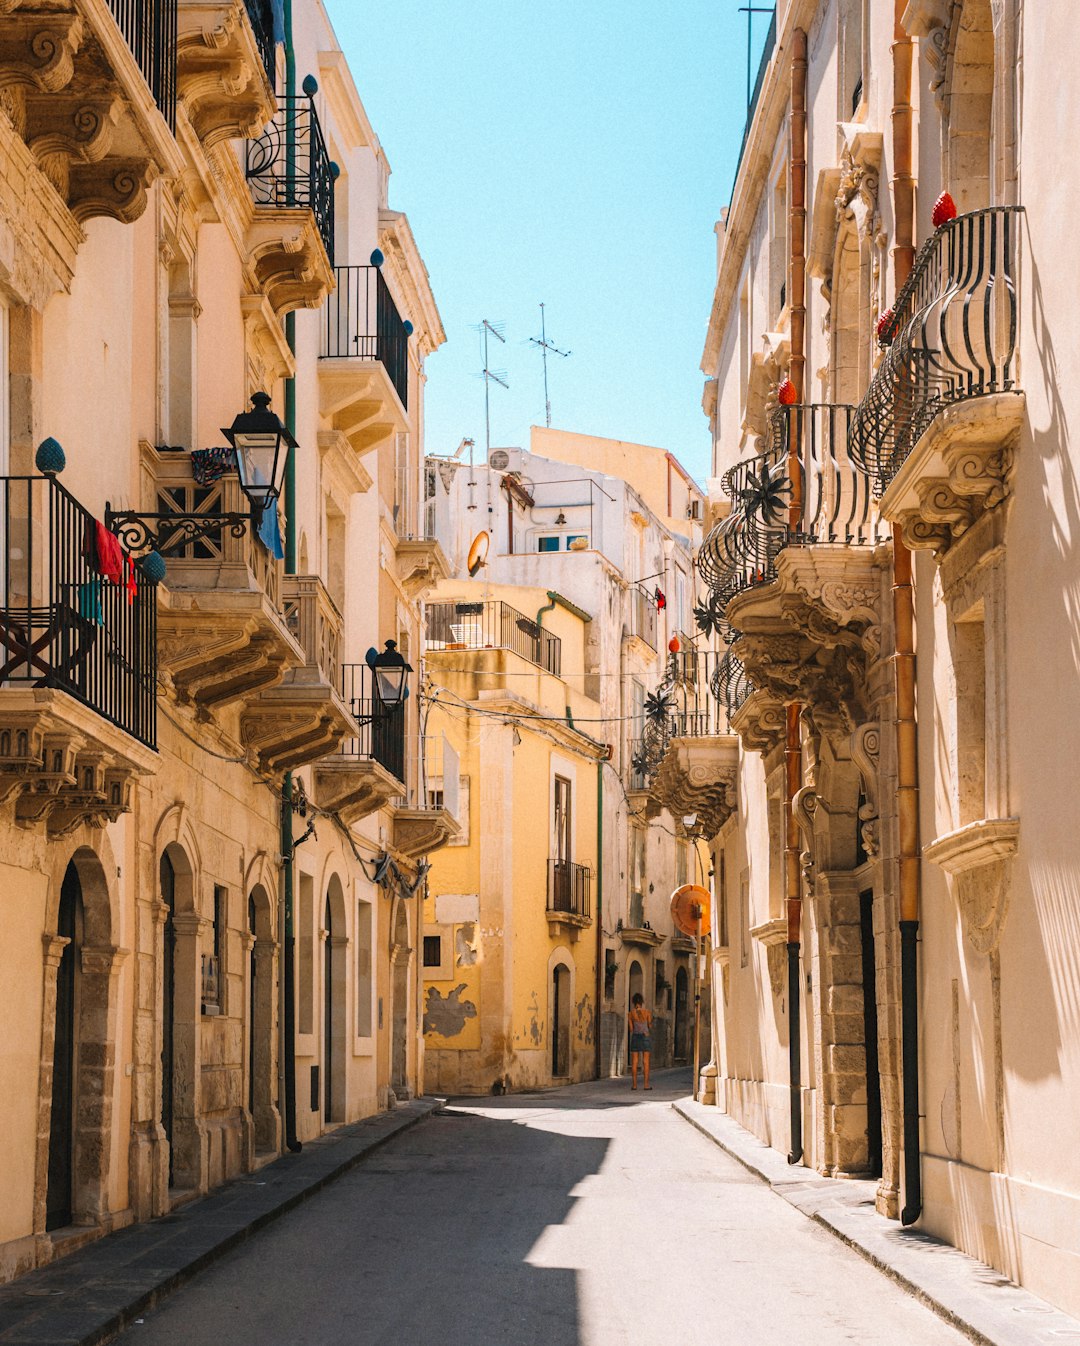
x=478, y=552
x=689, y=905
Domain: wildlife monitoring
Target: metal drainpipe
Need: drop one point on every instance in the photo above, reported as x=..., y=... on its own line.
x=599, y=914
x=289, y=949
x=907, y=763
x=549, y=606
x=793, y=737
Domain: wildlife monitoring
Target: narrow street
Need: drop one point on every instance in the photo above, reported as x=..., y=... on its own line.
x=586, y=1216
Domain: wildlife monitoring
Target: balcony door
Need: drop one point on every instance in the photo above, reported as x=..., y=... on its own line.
x=561, y=843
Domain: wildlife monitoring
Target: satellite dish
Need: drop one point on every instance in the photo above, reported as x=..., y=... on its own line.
x=478, y=551
x=690, y=909
x=499, y=460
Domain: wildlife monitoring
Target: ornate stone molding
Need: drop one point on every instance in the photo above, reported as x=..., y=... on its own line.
x=354, y=787
x=62, y=764
x=865, y=750
x=773, y=935
x=960, y=469
x=419, y=832
x=220, y=75
x=421, y=564
x=978, y=858
x=699, y=775
x=804, y=807
x=759, y=722
x=286, y=259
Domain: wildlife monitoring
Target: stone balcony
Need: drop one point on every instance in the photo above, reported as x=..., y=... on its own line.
x=420, y=831
x=222, y=633
x=95, y=117
x=225, y=75
x=303, y=717
x=698, y=776
x=363, y=366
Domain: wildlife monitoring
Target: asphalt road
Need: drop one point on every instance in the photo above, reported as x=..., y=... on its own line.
x=588, y=1216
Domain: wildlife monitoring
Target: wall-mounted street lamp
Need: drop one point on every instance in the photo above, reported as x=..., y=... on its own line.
x=389, y=678
x=261, y=446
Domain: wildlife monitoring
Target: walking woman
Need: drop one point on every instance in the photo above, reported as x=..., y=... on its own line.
x=640, y=1021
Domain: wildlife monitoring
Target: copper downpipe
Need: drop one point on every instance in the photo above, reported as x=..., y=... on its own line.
x=907, y=761
x=793, y=739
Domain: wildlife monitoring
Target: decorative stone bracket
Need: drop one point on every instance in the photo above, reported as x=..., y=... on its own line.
x=699, y=775
x=220, y=74
x=978, y=858
x=959, y=470
x=62, y=764
x=421, y=564
x=354, y=787
x=759, y=722
x=419, y=832
x=287, y=260
x=773, y=935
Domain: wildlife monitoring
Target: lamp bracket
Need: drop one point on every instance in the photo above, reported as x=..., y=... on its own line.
x=168, y=534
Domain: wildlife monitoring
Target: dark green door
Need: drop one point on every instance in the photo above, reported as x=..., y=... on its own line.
x=58, y=1200
x=168, y=1005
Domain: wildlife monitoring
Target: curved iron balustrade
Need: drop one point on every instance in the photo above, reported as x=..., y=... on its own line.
x=803, y=489
x=289, y=165
x=729, y=683
x=951, y=337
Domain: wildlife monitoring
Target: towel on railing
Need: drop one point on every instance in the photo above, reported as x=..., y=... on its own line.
x=210, y=465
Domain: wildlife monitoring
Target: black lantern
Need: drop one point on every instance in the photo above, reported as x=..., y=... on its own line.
x=390, y=670
x=262, y=445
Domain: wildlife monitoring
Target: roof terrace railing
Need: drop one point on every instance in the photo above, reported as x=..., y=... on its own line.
x=492, y=625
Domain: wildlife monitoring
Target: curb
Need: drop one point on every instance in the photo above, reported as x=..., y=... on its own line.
x=89, y=1298
x=969, y=1295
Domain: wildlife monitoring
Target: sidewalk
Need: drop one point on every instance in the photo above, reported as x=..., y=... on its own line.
x=91, y=1296
x=973, y=1297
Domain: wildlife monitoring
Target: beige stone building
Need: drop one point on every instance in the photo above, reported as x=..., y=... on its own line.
x=592, y=539
x=889, y=378
x=213, y=825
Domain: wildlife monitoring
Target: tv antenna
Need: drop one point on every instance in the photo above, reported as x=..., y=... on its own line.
x=545, y=346
x=500, y=376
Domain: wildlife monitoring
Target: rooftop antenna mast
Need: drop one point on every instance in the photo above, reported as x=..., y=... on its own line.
x=498, y=331
x=545, y=346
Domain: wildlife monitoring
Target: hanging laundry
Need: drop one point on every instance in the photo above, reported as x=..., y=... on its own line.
x=131, y=581
x=210, y=465
x=270, y=531
x=108, y=556
x=90, y=602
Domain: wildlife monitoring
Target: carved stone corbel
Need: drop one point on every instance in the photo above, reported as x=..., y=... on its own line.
x=804, y=807
x=978, y=858
x=865, y=752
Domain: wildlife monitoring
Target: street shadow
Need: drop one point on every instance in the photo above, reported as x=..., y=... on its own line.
x=438, y=1236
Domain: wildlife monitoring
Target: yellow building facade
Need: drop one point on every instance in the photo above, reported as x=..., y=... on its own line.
x=510, y=928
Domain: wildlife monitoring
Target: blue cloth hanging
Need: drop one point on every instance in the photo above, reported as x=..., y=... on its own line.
x=278, y=6
x=270, y=531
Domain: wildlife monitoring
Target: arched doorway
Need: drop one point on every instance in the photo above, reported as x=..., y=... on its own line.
x=560, y=1021
x=334, y=1018
x=682, y=1017
x=399, y=1024
x=60, y=1197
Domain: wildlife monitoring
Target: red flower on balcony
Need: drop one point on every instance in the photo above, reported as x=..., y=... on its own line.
x=786, y=394
x=944, y=210
x=881, y=331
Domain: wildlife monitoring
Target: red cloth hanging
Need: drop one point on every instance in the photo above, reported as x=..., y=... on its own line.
x=131, y=582
x=110, y=556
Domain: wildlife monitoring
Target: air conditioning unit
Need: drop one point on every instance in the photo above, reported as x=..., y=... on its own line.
x=499, y=460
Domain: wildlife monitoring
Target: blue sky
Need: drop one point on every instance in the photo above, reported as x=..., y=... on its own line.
x=575, y=153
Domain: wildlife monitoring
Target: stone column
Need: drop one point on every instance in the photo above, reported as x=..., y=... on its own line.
x=53, y=950
x=190, y=1163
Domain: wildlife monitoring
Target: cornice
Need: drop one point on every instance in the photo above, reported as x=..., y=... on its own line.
x=753, y=170
x=411, y=278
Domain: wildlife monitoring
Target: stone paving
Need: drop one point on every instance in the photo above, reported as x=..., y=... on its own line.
x=90, y=1296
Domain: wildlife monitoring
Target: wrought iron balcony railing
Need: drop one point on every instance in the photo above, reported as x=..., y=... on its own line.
x=261, y=15
x=729, y=683
x=569, y=888
x=362, y=322
x=382, y=731
x=492, y=625
x=951, y=336
x=150, y=28
x=685, y=704
x=288, y=165
x=804, y=489
x=69, y=618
